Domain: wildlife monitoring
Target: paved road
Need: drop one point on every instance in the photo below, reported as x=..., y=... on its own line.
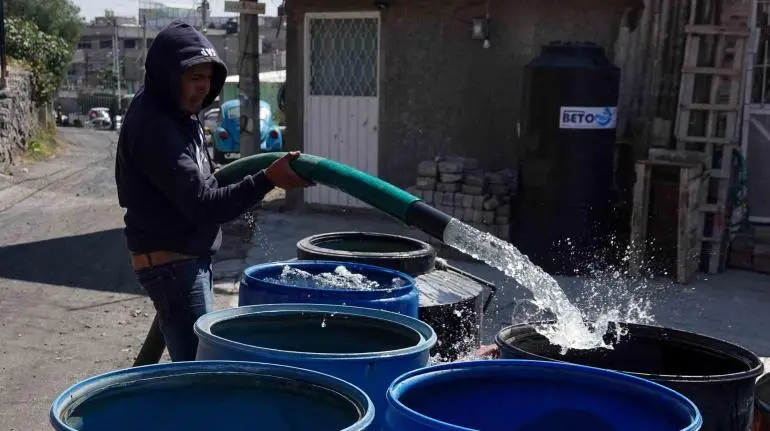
x=69, y=305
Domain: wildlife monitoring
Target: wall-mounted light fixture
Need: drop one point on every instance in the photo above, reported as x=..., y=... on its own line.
x=381, y=4
x=480, y=31
x=480, y=28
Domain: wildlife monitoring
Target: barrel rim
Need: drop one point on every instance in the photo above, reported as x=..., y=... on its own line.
x=424, y=250
x=411, y=283
x=761, y=382
x=204, y=324
x=738, y=352
x=398, y=387
x=83, y=390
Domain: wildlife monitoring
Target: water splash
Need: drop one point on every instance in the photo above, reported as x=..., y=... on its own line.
x=603, y=296
x=341, y=279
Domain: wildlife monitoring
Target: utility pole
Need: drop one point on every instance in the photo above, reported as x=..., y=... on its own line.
x=204, y=9
x=115, y=58
x=144, y=41
x=248, y=71
x=115, y=71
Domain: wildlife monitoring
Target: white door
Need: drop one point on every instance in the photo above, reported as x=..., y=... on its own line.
x=342, y=95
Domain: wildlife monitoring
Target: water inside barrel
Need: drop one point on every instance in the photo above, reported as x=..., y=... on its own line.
x=215, y=401
x=317, y=333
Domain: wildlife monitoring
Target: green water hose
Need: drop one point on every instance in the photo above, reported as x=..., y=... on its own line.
x=370, y=189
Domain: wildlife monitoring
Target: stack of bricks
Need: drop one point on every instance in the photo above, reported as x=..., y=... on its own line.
x=457, y=187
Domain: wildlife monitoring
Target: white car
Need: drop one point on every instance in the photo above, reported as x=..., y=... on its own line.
x=99, y=118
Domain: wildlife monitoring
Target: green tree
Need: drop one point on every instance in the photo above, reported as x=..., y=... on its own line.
x=106, y=78
x=59, y=18
x=47, y=56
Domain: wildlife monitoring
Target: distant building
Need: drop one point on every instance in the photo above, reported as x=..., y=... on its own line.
x=94, y=51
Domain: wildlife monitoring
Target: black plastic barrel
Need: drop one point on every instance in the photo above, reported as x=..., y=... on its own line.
x=452, y=302
x=563, y=210
x=716, y=375
x=400, y=253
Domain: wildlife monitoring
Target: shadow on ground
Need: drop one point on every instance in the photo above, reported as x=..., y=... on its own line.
x=96, y=261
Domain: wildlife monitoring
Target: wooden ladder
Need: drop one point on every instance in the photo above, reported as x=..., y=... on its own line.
x=713, y=65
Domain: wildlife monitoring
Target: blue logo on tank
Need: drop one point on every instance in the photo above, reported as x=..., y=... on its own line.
x=605, y=118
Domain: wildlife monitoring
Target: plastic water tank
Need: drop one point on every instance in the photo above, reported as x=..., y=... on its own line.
x=564, y=206
x=533, y=395
x=212, y=395
x=261, y=285
x=364, y=346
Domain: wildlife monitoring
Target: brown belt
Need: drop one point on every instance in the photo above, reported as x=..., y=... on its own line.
x=157, y=258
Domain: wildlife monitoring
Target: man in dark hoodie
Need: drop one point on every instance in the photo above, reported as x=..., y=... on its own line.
x=174, y=206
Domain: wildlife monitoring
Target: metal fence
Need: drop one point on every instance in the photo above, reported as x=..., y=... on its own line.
x=76, y=102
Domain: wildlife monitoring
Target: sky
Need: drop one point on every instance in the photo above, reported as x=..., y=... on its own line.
x=92, y=8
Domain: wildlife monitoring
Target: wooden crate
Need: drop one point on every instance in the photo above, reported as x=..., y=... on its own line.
x=692, y=174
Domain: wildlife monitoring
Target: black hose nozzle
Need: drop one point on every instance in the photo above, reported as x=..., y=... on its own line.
x=428, y=219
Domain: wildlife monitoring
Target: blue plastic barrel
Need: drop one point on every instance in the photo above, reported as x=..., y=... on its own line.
x=258, y=287
x=366, y=347
x=212, y=395
x=518, y=395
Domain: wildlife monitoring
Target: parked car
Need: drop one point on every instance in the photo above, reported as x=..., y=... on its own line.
x=227, y=136
x=99, y=118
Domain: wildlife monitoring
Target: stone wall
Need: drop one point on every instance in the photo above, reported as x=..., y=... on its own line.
x=18, y=116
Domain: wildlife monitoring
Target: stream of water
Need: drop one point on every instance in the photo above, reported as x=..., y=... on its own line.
x=570, y=330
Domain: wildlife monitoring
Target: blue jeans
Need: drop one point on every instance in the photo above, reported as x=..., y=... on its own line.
x=181, y=292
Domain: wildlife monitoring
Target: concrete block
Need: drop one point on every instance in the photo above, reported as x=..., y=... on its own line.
x=458, y=212
x=427, y=196
x=472, y=190
x=467, y=215
x=457, y=165
x=478, y=216
x=438, y=197
x=488, y=217
x=492, y=203
x=467, y=200
x=427, y=168
x=478, y=203
x=448, y=199
x=450, y=178
x=426, y=183
x=475, y=178
x=502, y=219
x=492, y=229
x=459, y=197
x=448, y=187
x=451, y=166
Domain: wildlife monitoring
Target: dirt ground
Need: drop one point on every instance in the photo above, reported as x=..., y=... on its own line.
x=70, y=306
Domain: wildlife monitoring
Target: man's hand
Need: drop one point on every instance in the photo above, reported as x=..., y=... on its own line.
x=281, y=174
